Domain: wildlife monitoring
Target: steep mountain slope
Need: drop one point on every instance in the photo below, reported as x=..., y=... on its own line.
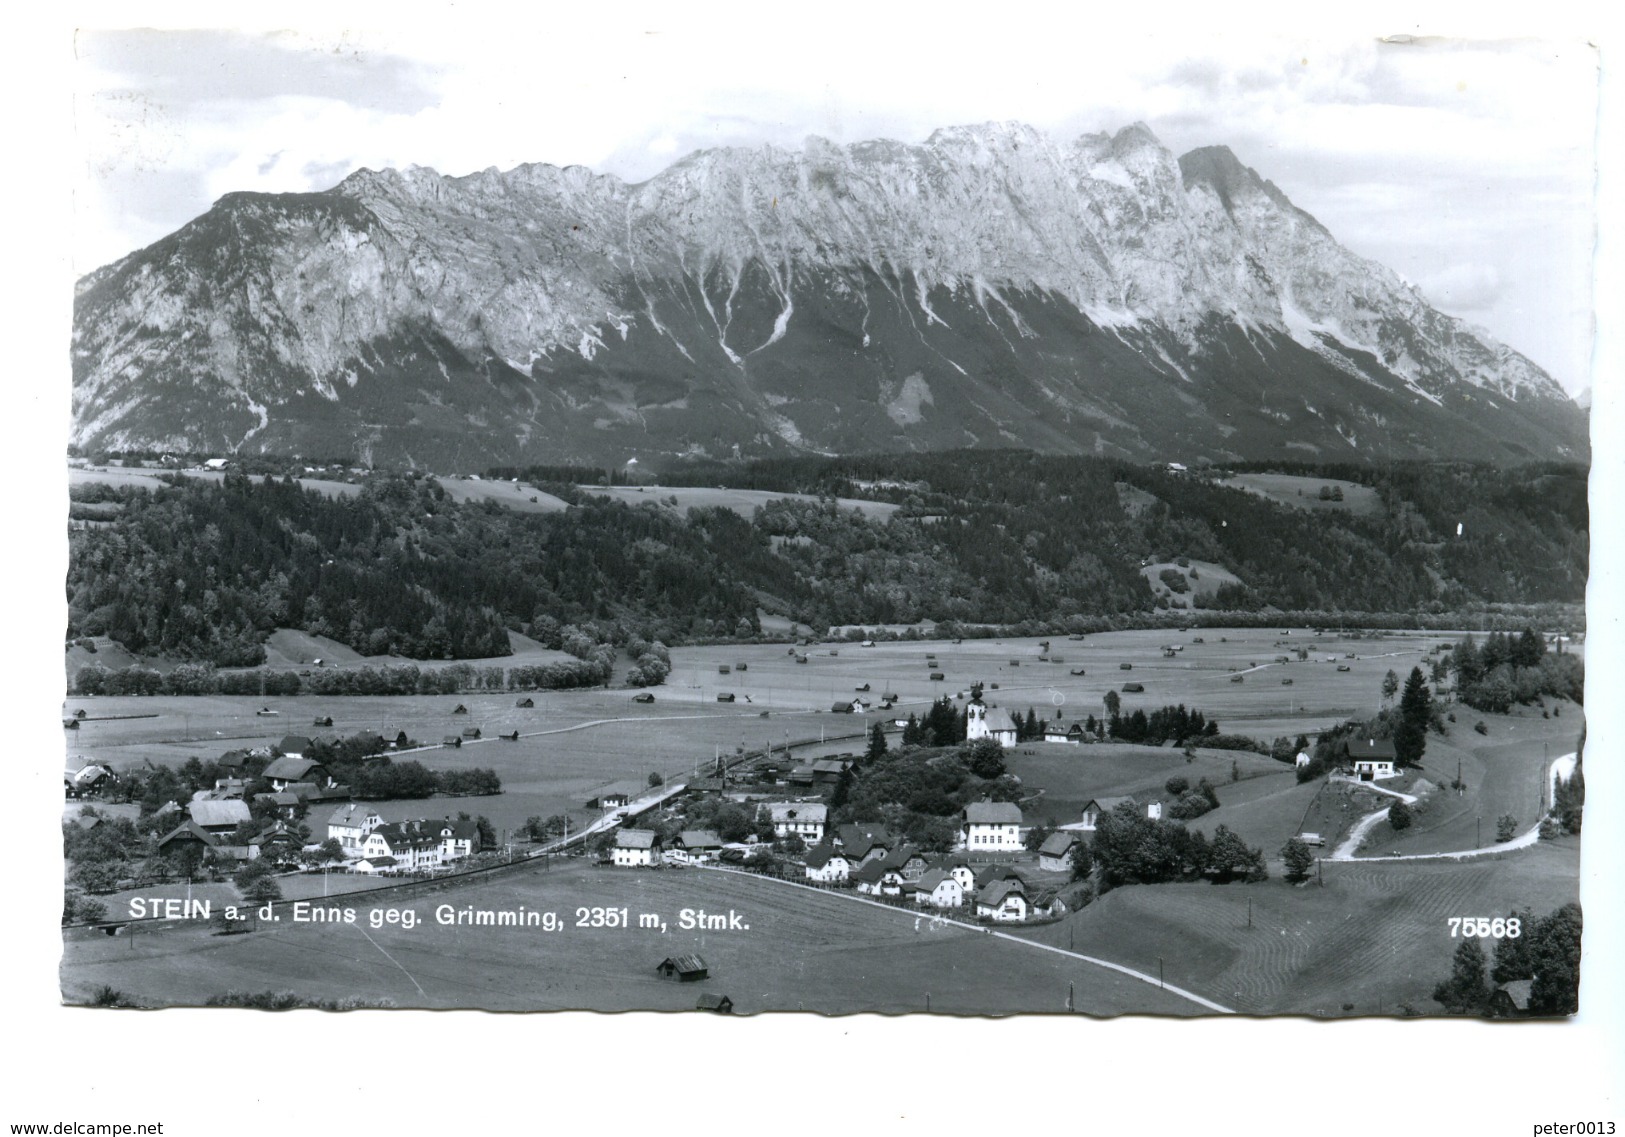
x=989, y=287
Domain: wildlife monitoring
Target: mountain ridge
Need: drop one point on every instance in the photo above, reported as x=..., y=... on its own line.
x=990, y=286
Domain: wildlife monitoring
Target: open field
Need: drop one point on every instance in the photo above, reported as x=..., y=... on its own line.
x=516, y=496
x=802, y=950
x=1071, y=775
x=1304, y=493
x=1374, y=937
x=1202, y=578
x=573, y=742
x=742, y=502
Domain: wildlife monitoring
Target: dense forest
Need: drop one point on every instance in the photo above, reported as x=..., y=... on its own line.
x=201, y=571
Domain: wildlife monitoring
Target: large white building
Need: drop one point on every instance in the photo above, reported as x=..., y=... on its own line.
x=805, y=819
x=350, y=825
x=992, y=826
x=636, y=848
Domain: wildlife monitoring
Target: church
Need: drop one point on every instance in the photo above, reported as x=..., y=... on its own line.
x=983, y=723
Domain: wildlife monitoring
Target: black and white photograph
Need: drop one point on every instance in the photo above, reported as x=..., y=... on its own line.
x=797, y=522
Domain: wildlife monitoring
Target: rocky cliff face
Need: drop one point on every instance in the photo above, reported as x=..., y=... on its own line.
x=989, y=287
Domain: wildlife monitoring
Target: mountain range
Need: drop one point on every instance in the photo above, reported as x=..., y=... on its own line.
x=989, y=287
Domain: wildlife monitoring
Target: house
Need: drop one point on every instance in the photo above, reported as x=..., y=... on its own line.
x=460, y=838
x=350, y=824
x=863, y=843
x=683, y=968
x=288, y=769
x=697, y=844
x=415, y=845
x=1510, y=1000
x=294, y=745
x=720, y=1004
x=827, y=865
x=376, y=865
x=216, y=463
x=828, y=771
x=980, y=722
x=636, y=848
x=803, y=819
x=960, y=869
x=911, y=863
x=1302, y=759
x=1003, y=901
x=992, y=826
x=1055, y=854
x=1373, y=759
x=937, y=888
x=1057, y=733
x=218, y=816
x=879, y=879
x=617, y=795
x=991, y=874
x=1048, y=903
x=184, y=834
x=285, y=804
x=278, y=844
x=1097, y=806
x=225, y=788
x=86, y=779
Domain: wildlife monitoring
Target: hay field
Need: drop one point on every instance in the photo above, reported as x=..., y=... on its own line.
x=803, y=951
x=1375, y=936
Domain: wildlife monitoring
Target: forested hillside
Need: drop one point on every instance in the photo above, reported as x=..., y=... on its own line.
x=203, y=571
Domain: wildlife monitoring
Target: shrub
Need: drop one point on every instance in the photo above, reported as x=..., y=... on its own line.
x=1480, y=727
x=1506, y=827
x=1399, y=816
x=1299, y=859
x=1549, y=829
x=1177, y=784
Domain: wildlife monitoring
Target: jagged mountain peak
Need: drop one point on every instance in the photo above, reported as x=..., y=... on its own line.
x=986, y=286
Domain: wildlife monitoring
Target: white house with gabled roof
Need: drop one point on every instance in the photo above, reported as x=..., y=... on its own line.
x=994, y=723
x=992, y=826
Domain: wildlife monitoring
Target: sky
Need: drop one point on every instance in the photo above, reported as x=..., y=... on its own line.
x=1465, y=163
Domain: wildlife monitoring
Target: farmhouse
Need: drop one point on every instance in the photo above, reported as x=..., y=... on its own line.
x=683, y=968
x=218, y=816
x=804, y=819
x=294, y=745
x=1003, y=901
x=992, y=826
x=937, y=888
x=827, y=866
x=1055, y=854
x=828, y=771
x=350, y=824
x=636, y=848
x=286, y=770
x=958, y=867
x=1373, y=759
x=697, y=845
x=980, y=722
x=86, y=779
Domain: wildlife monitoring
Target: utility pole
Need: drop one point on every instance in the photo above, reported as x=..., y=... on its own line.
x=1159, y=971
